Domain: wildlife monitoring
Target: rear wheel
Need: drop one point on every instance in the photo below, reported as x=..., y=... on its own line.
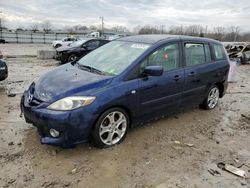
x=111, y=128
x=211, y=99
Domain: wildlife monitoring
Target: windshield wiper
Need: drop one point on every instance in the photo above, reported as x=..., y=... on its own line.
x=91, y=69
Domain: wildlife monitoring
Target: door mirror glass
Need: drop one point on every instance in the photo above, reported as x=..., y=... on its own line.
x=153, y=71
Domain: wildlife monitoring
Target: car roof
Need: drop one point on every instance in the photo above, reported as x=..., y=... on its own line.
x=152, y=39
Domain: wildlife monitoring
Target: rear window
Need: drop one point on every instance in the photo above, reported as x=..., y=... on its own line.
x=219, y=52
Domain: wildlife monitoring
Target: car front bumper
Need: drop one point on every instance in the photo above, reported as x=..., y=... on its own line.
x=63, y=57
x=3, y=72
x=74, y=126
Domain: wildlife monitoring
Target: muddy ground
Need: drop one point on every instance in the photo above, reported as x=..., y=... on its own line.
x=148, y=157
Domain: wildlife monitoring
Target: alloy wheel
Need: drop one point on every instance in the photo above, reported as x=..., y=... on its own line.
x=213, y=97
x=72, y=58
x=113, y=128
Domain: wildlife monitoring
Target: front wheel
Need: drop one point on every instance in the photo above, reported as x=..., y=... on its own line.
x=72, y=57
x=110, y=128
x=211, y=99
x=58, y=45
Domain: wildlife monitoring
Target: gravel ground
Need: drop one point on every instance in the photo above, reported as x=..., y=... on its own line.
x=150, y=156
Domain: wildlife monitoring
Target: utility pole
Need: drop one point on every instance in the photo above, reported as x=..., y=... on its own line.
x=162, y=29
x=102, y=19
x=1, y=30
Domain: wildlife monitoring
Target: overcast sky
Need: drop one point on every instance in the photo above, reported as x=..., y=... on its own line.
x=129, y=13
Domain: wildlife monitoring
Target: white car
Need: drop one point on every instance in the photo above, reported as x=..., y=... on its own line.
x=64, y=42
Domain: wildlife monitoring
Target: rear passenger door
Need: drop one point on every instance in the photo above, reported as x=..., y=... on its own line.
x=197, y=71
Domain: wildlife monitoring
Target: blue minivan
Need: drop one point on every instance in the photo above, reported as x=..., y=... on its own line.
x=123, y=83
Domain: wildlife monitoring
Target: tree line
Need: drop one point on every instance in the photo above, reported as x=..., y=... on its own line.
x=232, y=33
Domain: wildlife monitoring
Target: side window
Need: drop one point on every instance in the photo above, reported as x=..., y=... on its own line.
x=103, y=42
x=219, y=52
x=93, y=45
x=208, y=54
x=167, y=57
x=194, y=54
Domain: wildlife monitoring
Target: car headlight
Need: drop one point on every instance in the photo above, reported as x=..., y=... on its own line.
x=70, y=103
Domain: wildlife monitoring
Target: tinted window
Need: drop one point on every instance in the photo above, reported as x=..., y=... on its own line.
x=69, y=39
x=208, y=54
x=219, y=52
x=167, y=57
x=93, y=44
x=102, y=42
x=194, y=54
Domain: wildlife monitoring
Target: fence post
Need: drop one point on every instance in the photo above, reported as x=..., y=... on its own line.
x=16, y=37
x=44, y=37
x=31, y=38
x=56, y=36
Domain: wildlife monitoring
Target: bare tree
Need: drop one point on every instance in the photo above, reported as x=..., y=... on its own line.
x=92, y=27
x=149, y=30
x=46, y=26
x=235, y=30
x=34, y=27
x=120, y=29
x=194, y=30
x=176, y=30
x=137, y=29
x=218, y=33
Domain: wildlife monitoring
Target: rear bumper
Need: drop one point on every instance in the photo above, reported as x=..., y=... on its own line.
x=74, y=126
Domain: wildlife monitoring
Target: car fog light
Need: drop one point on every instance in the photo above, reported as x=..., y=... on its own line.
x=54, y=133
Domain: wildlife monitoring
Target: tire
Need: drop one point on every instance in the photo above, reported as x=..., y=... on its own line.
x=57, y=45
x=73, y=57
x=212, y=98
x=108, y=131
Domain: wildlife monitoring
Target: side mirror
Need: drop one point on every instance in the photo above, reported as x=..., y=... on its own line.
x=153, y=71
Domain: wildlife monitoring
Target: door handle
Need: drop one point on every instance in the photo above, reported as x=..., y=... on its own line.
x=191, y=74
x=177, y=77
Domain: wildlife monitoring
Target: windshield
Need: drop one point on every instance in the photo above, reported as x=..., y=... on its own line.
x=113, y=57
x=77, y=43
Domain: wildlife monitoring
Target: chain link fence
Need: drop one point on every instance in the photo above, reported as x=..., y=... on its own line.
x=31, y=37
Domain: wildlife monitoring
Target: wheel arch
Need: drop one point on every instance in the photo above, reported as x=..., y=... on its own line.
x=221, y=88
x=126, y=109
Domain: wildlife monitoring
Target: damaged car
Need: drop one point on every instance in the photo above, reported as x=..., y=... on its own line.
x=78, y=49
x=122, y=84
x=239, y=51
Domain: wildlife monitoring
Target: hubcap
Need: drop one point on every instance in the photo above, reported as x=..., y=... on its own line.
x=213, y=97
x=113, y=128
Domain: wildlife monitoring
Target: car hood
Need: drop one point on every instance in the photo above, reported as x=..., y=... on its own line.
x=56, y=41
x=65, y=48
x=68, y=80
